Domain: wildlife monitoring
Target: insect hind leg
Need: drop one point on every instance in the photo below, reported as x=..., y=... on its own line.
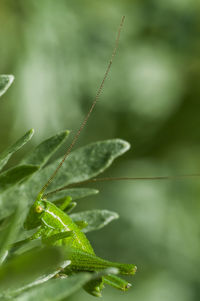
x=83, y=261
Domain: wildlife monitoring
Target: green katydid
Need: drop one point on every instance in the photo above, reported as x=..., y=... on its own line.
x=55, y=227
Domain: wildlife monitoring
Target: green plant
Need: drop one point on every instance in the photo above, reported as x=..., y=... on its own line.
x=28, y=265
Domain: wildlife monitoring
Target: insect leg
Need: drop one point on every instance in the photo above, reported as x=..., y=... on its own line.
x=116, y=282
x=94, y=287
x=49, y=240
x=65, y=204
x=36, y=235
x=82, y=261
x=20, y=243
x=70, y=207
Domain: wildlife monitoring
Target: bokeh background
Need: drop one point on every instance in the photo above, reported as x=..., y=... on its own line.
x=58, y=51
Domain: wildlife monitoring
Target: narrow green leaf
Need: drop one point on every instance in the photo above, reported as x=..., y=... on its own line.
x=26, y=268
x=74, y=193
x=55, y=289
x=5, y=156
x=15, y=175
x=96, y=219
x=5, y=82
x=41, y=154
x=8, y=235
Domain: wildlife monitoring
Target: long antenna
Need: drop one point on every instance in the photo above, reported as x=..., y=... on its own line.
x=96, y=180
x=90, y=110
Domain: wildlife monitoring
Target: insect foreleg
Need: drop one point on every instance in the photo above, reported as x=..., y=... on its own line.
x=37, y=235
x=49, y=240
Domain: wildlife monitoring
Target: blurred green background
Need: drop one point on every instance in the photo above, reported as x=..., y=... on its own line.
x=58, y=52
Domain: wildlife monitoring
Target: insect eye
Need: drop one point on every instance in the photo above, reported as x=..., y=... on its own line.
x=38, y=209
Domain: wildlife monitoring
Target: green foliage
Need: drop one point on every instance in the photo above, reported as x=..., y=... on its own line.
x=82, y=164
x=44, y=151
x=58, y=289
x=151, y=99
x=26, y=271
x=9, y=233
x=5, y=156
x=14, y=175
x=55, y=289
x=5, y=82
x=25, y=268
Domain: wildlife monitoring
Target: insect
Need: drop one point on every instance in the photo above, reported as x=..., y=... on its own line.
x=55, y=227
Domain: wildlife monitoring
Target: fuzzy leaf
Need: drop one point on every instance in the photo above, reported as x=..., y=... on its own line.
x=5, y=82
x=60, y=289
x=96, y=219
x=25, y=268
x=15, y=175
x=5, y=156
x=74, y=193
x=42, y=279
x=55, y=289
x=41, y=154
x=85, y=162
